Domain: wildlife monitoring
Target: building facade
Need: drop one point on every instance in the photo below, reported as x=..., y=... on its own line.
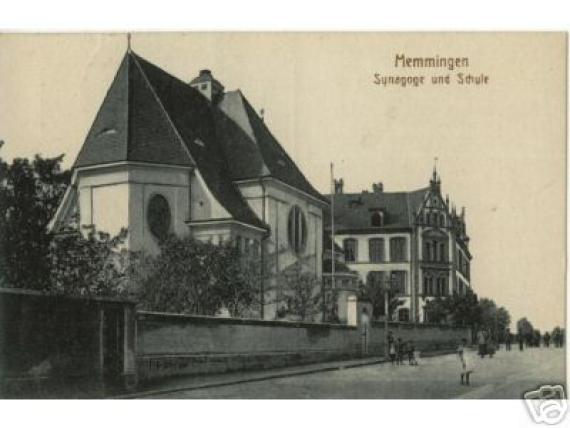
x=413, y=239
x=164, y=156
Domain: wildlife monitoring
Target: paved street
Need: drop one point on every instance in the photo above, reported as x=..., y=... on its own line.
x=507, y=375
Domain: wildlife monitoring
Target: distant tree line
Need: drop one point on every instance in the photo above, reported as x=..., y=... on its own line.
x=533, y=337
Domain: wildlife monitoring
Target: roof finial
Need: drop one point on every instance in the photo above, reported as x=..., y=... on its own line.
x=435, y=159
x=128, y=42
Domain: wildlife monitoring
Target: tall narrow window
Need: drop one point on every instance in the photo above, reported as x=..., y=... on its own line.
x=442, y=252
x=398, y=249
x=427, y=251
x=350, y=250
x=376, y=250
x=375, y=279
x=399, y=285
x=297, y=229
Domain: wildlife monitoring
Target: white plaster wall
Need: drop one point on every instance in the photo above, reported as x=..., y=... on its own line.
x=279, y=199
x=110, y=209
x=113, y=197
x=203, y=205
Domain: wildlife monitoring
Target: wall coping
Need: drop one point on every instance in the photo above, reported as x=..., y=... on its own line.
x=410, y=325
x=40, y=293
x=204, y=319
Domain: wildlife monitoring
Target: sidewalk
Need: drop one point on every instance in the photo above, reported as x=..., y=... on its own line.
x=188, y=383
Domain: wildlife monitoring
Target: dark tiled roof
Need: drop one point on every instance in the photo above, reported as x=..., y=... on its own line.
x=149, y=115
x=131, y=125
x=161, y=119
x=353, y=210
x=275, y=160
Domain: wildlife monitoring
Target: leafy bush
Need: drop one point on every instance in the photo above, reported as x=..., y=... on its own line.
x=193, y=277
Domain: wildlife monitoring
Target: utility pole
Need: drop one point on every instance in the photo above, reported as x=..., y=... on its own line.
x=387, y=289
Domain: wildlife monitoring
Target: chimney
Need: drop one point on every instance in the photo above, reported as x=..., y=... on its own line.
x=339, y=186
x=207, y=85
x=378, y=187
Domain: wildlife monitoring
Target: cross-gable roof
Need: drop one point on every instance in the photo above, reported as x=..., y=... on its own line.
x=270, y=157
x=352, y=211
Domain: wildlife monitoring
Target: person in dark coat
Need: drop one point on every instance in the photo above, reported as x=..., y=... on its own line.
x=508, y=340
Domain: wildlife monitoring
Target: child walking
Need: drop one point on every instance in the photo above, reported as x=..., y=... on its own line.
x=465, y=366
x=412, y=361
x=392, y=351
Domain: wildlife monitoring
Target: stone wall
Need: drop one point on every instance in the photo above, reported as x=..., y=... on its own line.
x=170, y=344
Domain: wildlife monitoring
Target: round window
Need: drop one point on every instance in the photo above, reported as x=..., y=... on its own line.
x=297, y=229
x=158, y=216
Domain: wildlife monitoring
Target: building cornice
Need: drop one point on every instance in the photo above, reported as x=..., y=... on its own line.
x=222, y=221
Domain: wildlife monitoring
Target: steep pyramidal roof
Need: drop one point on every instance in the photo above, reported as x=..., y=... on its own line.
x=151, y=116
x=131, y=125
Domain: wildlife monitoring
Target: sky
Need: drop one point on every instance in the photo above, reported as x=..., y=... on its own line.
x=501, y=147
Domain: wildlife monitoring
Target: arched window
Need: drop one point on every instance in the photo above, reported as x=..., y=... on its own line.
x=376, y=250
x=377, y=219
x=159, y=217
x=442, y=252
x=297, y=229
x=350, y=249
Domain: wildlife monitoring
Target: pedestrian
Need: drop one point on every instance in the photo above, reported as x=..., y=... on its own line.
x=399, y=351
x=365, y=324
x=392, y=351
x=482, y=343
x=466, y=368
x=547, y=339
x=412, y=354
x=508, y=340
x=521, y=341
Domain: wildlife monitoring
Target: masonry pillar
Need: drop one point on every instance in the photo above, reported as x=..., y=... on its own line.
x=129, y=347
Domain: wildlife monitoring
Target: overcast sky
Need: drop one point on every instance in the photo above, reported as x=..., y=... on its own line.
x=501, y=147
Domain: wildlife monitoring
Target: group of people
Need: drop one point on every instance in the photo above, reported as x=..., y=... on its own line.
x=398, y=350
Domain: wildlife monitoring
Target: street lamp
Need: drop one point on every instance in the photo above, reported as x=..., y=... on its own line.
x=388, y=283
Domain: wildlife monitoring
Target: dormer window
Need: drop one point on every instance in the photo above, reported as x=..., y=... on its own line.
x=377, y=219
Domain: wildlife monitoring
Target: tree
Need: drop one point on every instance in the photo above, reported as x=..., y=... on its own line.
x=95, y=264
x=301, y=295
x=558, y=336
x=193, y=277
x=494, y=319
x=464, y=310
x=374, y=291
x=30, y=192
x=526, y=330
x=437, y=310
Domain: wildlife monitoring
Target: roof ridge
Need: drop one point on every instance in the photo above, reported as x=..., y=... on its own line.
x=278, y=144
x=161, y=105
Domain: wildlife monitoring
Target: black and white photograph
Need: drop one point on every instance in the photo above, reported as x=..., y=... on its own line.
x=284, y=216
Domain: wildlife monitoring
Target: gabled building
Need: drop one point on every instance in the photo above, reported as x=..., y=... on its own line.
x=414, y=238
x=166, y=156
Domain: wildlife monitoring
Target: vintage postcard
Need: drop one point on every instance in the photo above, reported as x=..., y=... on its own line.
x=284, y=215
